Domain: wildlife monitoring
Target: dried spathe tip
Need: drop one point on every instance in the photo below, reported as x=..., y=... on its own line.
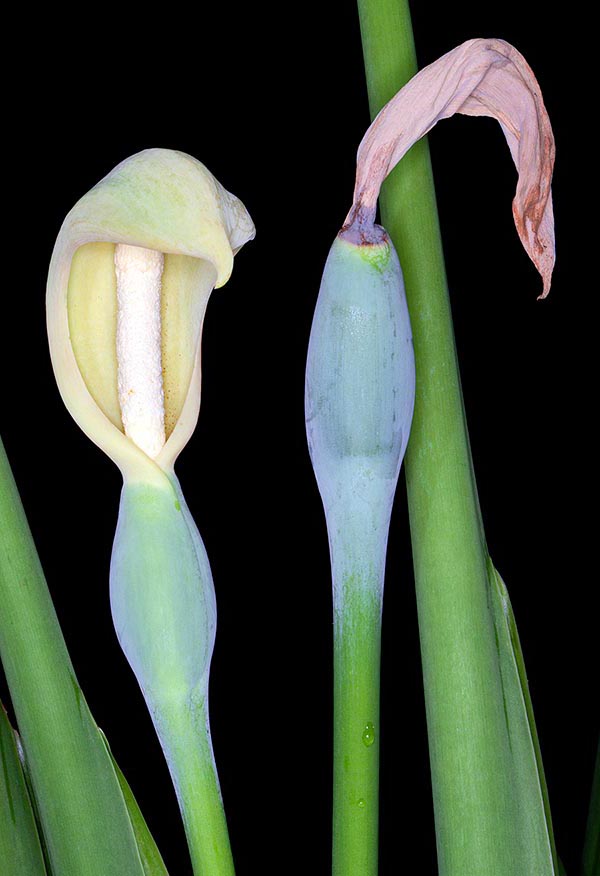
x=482, y=77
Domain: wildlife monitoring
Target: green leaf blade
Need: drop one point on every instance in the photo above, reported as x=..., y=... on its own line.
x=531, y=793
x=151, y=858
x=20, y=847
x=591, y=850
x=86, y=827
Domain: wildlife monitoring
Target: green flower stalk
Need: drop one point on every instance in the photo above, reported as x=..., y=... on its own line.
x=132, y=270
x=359, y=403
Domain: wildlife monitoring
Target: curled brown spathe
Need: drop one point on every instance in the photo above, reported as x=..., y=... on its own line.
x=481, y=77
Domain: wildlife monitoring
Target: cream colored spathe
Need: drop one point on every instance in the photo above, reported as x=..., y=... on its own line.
x=161, y=200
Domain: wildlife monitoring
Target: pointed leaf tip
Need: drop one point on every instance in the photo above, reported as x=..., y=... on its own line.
x=481, y=77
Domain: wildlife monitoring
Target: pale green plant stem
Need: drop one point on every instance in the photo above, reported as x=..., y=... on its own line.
x=476, y=803
x=183, y=728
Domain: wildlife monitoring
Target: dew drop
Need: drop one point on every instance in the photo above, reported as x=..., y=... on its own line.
x=368, y=736
x=361, y=803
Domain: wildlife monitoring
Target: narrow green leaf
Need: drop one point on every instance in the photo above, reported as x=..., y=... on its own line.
x=530, y=787
x=591, y=850
x=20, y=847
x=85, y=823
x=149, y=853
x=36, y=814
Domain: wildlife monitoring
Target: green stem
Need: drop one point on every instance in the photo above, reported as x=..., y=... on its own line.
x=183, y=728
x=85, y=822
x=480, y=804
x=357, y=636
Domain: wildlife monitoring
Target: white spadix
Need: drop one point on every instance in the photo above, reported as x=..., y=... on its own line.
x=167, y=221
x=139, y=336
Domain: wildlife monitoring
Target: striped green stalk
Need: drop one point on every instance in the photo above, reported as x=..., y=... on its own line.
x=86, y=827
x=20, y=847
x=359, y=400
x=131, y=273
x=491, y=810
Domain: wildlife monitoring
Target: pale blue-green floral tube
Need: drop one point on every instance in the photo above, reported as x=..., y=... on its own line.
x=164, y=611
x=165, y=622
x=360, y=386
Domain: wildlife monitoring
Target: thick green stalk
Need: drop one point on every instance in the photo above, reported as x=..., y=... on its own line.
x=474, y=697
x=86, y=826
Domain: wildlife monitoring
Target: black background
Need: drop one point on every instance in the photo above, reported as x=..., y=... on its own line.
x=273, y=102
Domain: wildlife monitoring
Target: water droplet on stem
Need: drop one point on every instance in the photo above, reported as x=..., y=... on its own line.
x=368, y=736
